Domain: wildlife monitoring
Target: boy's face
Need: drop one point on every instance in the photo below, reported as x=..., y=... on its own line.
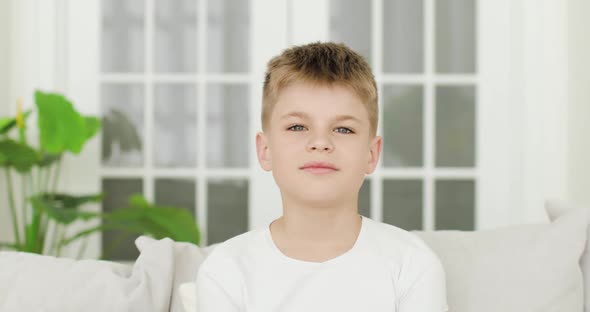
x=309, y=124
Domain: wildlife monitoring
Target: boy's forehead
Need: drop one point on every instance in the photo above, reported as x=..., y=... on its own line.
x=334, y=116
x=303, y=100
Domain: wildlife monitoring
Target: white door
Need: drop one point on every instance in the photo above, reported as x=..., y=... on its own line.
x=178, y=84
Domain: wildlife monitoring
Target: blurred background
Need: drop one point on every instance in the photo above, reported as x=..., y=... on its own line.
x=484, y=105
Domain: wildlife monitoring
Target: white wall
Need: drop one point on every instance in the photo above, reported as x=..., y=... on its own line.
x=5, y=82
x=579, y=102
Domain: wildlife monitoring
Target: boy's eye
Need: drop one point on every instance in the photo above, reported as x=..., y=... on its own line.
x=296, y=128
x=343, y=130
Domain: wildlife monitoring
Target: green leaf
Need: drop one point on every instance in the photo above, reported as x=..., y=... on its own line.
x=120, y=130
x=61, y=127
x=7, y=123
x=20, y=156
x=65, y=208
x=144, y=218
x=92, y=126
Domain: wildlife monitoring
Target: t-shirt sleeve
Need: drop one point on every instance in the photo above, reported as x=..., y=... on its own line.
x=219, y=284
x=423, y=285
x=212, y=296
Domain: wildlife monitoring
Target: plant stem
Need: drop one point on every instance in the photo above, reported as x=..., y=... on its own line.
x=24, y=203
x=61, y=238
x=83, y=247
x=44, y=228
x=36, y=235
x=12, y=206
x=56, y=244
x=55, y=238
x=56, y=176
x=47, y=179
x=38, y=184
x=45, y=189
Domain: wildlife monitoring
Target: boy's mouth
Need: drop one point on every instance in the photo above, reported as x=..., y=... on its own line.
x=319, y=167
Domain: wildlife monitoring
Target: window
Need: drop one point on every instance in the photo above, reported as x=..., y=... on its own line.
x=179, y=84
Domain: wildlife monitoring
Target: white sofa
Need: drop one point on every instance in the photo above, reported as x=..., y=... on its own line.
x=537, y=267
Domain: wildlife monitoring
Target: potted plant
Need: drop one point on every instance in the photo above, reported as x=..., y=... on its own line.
x=62, y=130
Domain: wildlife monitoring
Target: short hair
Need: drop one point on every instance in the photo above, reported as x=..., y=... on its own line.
x=319, y=63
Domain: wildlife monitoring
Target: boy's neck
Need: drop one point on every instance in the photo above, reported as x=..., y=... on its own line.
x=318, y=225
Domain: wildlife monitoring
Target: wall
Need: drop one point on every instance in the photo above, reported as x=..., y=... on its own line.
x=5, y=73
x=579, y=102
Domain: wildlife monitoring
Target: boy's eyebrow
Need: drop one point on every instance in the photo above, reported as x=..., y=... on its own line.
x=306, y=116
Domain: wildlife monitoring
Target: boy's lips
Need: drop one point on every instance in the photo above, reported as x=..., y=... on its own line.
x=318, y=167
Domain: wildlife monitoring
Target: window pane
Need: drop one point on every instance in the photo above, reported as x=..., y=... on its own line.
x=118, y=245
x=175, y=41
x=179, y=193
x=364, y=205
x=402, y=126
x=455, y=126
x=227, y=209
x=122, y=128
x=402, y=203
x=123, y=39
x=403, y=36
x=175, y=126
x=350, y=23
x=455, y=205
x=455, y=36
x=227, y=125
x=228, y=36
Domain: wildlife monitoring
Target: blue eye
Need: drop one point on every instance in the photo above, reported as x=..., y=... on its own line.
x=346, y=130
x=296, y=128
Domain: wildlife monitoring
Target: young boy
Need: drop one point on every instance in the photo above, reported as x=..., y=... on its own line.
x=319, y=122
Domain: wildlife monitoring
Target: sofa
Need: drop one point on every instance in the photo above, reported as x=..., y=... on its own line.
x=532, y=267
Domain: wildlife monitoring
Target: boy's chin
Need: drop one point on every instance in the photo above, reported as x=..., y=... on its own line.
x=319, y=197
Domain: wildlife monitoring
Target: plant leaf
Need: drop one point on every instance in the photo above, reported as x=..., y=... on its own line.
x=61, y=127
x=117, y=128
x=144, y=218
x=65, y=208
x=7, y=123
x=20, y=156
x=93, y=124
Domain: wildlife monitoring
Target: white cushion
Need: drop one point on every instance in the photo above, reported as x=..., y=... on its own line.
x=30, y=282
x=188, y=294
x=514, y=269
x=555, y=209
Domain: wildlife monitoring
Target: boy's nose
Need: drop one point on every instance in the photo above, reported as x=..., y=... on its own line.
x=321, y=145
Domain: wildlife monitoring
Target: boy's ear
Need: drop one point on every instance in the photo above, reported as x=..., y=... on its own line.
x=374, y=154
x=263, y=151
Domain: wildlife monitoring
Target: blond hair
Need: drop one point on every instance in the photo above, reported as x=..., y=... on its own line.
x=320, y=64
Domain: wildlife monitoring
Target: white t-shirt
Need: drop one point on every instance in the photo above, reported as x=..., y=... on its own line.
x=388, y=269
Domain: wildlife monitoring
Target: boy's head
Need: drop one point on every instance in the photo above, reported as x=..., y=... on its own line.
x=320, y=64
x=319, y=120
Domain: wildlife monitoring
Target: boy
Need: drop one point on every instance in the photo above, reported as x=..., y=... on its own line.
x=319, y=122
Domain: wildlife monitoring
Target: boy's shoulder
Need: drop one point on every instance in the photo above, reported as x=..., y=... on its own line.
x=233, y=248
x=394, y=242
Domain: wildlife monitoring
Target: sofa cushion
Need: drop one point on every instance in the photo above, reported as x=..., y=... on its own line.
x=516, y=268
x=30, y=282
x=556, y=209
